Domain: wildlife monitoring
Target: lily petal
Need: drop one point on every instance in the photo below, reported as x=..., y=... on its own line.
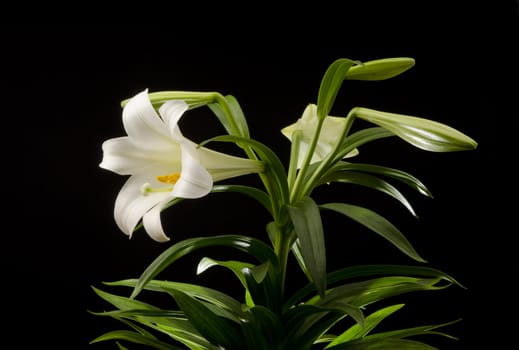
x=123, y=157
x=171, y=112
x=328, y=138
x=143, y=125
x=131, y=204
x=195, y=181
x=153, y=224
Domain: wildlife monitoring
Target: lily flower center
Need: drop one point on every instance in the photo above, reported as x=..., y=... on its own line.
x=167, y=179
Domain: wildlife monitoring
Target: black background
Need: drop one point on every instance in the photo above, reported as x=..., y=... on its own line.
x=64, y=82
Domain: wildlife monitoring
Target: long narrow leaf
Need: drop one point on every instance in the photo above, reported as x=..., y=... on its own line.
x=357, y=331
x=274, y=164
x=384, y=344
x=354, y=272
x=214, y=328
x=215, y=297
x=367, y=292
x=260, y=196
x=135, y=337
x=308, y=227
x=255, y=247
x=330, y=85
x=369, y=181
x=377, y=224
x=393, y=173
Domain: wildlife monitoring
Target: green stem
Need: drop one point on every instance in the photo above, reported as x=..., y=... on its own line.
x=306, y=162
x=282, y=250
x=331, y=157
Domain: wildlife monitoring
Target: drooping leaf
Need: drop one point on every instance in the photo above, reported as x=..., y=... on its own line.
x=274, y=169
x=359, y=138
x=255, y=247
x=137, y=338
x=306, y=218
x=228, y=107
x=220, y=300
x=260, y=196
x=369, y=291
x=377, y=224
x=357, y=331
x=384, y=344
x=357, y=271
x=369, y=181
x=392, y=173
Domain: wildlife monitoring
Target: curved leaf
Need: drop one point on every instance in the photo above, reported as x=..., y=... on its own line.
x=357, y=331
x=274, y=164
x=212, y=296
x=308, y=227
x=214, y=328
x=384, y=344
x=255, y=247
x=353, y=272
x=137, y=338
x=370, y=181
x=366, y=292
x=260, y=196
x=393, y=173
x=330, y=85
x=360, y=138
x=377, y=224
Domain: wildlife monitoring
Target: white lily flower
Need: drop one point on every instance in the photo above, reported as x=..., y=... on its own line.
x=328, y=138
x=162, y=164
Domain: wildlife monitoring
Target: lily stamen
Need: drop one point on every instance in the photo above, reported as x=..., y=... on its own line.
x=169, y=179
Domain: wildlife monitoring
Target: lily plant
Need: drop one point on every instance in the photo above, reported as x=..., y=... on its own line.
x=334, y=310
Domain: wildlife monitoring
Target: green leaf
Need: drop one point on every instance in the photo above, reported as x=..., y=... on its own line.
x=305, y=323
x=264, y=330
x=380, y=69
x=135, y=337
x=264, y=291
x=393, y=173
x=274, y=166
x=369, y=291
x=357, y=331
x=370, y=182
x=357, y=271
x=231, y=306
x=235, y=112
x=423, y=133
x=360, y=138
x=330, y=85
x=235, y=266
x=254, y=193
x=255, y=247
x=384, y=344
x=214, y=328
x=416, y=331
x=377, y=224
x=306, y=218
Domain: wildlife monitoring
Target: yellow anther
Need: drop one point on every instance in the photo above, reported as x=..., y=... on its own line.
x=169, y=179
